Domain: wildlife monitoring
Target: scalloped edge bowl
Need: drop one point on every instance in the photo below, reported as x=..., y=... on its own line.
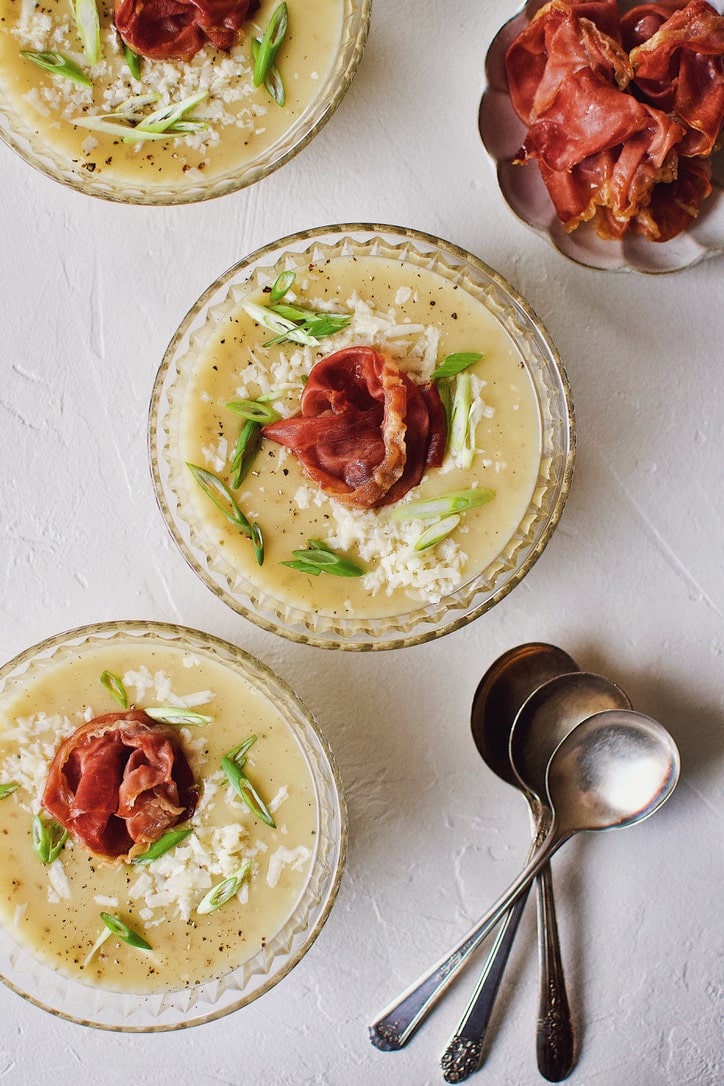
x=29, y=144
x=421, y=622
x=522, y=188
x=128, y=1013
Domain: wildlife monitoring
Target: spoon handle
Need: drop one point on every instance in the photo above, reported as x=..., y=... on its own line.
x=555, y=1042
x=464, y=1053
x=393, y=1029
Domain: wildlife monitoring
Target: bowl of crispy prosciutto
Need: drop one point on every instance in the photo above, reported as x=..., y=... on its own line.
x=160, y=103
x=174, y=821
x=604, y=121
x=361, y=437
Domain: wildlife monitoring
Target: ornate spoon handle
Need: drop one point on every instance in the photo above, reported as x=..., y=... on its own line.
x=393, y=1029
x=464, y=1053
x=555, y=1042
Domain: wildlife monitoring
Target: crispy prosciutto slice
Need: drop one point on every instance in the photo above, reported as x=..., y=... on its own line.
x=165, y=29
x=680, y=69
x=366, y=431
x=119, y=782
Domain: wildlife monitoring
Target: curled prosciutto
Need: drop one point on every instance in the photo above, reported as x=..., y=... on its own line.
x=177, y=29
x=118, y=783
x=366, y=431
x=621, y=110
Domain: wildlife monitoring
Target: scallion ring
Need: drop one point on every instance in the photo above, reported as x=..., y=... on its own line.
x=163, y=845
x=437, y=532
x=458, y=501
x=8, y=789
x=223, y=891
x=117, y=927
x=115, y=688
x=320, y=558
x=253, y=411
x=57, y=64
x=48, y=838
x=219, y=493
x=173, y=714
x=455, y=363
x=282, y=285
x=270, y=43
x=89, y=28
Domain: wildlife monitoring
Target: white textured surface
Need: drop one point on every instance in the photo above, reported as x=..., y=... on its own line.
x=631, y=585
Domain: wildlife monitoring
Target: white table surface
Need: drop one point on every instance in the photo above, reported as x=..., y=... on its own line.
x=632, y=585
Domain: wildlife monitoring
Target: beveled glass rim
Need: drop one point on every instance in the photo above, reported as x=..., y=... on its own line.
x=33, y=149
x=88, y=1005
x=424, y=623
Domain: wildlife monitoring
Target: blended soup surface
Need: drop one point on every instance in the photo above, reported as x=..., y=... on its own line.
x=417, y=317
x=54, y=909
x=243, y=120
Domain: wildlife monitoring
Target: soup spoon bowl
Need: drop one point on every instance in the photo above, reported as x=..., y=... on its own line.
x=612, y=770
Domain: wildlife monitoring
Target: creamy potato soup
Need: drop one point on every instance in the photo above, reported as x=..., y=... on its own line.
x=241, y=121
x=418, y=318
x=54, y=909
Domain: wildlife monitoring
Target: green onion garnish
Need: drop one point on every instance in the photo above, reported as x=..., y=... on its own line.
x=455, y=363
x=281, y=286
x=172, y=714
x=233, y=766
x=128, y=935
x=221, y=496
x=48, y=838
x=8, y=789
x=319, y=557
x=437, y=532
x=462, y=433
x=166, y=121
x=115, y=688
x=257, y=540
x=458, y=501
x=253, y=411
x=285, y=329
x=133, y=61
x=164, y=844
x=273, y=82
x=57, y=64
x=247, y=446
x=89, y=28
x=296, y=325
x=270, y=44
x=221, y=893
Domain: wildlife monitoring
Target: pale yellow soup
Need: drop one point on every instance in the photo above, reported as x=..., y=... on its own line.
x=244, y=121
x=54, y=911
x=418, y=317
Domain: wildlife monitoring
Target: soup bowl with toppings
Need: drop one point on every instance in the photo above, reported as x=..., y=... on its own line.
x=361, y=437
x=145, y=109
x=173, y=821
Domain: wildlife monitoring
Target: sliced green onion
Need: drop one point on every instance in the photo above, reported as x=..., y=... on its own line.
x=128, y=935
x=282, y=285
x=270, y=43
x=285, y=329
x=164, y=844
x=462, y=435
x=233, y=766
x=458, y=501
x=455, y=363
x=8, y=789
x=436, y=532
x=89, y=28
x=133, y=61
x=172, y=714
x=57, y=64
x=115, y=688
x=257, y=540
x=162, y=119
x=247, y=447
x=273, y=82
x=221, y=496
x=223, y=891
x=238, y=754
x=48, y=838
x=254, y=411
x=320, y=558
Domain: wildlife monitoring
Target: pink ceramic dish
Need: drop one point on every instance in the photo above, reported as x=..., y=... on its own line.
x=502, y=133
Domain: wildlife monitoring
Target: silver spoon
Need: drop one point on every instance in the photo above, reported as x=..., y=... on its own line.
x=505, y=686
x=613, y=770
x=551, y=710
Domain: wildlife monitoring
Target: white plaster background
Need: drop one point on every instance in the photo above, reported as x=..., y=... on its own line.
x=632, y=585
